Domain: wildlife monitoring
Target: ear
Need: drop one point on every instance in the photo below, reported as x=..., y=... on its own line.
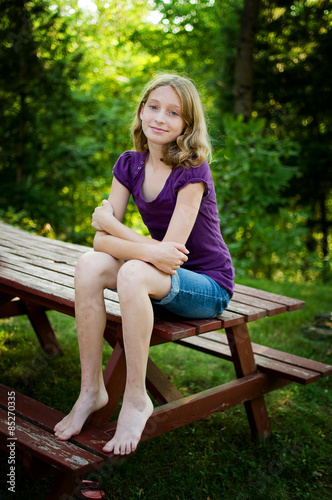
x=141, y=110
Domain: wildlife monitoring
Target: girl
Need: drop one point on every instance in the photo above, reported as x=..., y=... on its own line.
x=184, y=267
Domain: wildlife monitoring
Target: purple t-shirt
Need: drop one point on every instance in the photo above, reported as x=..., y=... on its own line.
x=208, y=253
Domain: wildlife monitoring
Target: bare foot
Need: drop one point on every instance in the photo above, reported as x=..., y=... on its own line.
x=131, y=423
x=86, y=404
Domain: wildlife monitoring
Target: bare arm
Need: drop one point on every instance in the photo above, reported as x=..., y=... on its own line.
x=121, y=242
x=185, y=213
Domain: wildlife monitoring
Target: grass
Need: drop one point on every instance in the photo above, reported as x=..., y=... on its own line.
x=214, y=458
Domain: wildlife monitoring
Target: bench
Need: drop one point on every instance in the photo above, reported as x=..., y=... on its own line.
x=37, y=274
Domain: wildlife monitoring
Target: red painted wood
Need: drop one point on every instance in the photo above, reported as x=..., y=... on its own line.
x=244, y=363
x=45, y=446
x=192, y=408
x=290, y=303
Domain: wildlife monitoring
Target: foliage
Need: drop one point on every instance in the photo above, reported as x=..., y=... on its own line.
x=251, y=173
x=292, y=88
x=69, y=81
x=65, y=125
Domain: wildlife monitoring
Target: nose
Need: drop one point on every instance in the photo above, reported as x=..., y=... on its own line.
x=160, y=116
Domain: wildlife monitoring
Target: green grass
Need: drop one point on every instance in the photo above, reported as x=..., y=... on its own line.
x=214, y=458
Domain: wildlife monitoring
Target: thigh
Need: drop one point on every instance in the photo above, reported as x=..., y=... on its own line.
x=195, y=295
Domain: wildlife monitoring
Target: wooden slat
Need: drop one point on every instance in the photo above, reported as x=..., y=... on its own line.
x=229, y=319
x=272, y=308
x=45, y=418
x=308, y=364
x=250, y=313
x=294, y=368
x=172, y=331
x=45, y=446
x=47, y=274
x=48, y=294
x=290, y=303
x=204, y=325
x=324, y=370
x=39, y=261
x=40, y=258
x=191, y=408
x=11, y=233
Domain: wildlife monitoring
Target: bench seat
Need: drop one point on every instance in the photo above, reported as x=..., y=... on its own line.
x=289, y=366
x=42, y=452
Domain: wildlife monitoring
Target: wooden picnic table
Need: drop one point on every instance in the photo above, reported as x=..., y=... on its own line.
x=37, y=274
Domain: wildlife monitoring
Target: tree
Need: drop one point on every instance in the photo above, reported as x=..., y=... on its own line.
x=244, y=64
x=39, y=63
x=292, y=89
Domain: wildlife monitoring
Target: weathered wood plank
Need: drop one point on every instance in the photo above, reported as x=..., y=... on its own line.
x=44, y=417
x=302, y=370
x=48, y=294
x=249, y=313
x=272, y=308
x=285, y=357
x=45, y=446
x=290, y=303
x=11, y=233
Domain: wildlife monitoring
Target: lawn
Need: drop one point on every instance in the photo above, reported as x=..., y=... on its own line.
x=215, y=458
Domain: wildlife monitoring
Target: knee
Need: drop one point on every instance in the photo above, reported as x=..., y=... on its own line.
x=131, y=277
x=91, y=268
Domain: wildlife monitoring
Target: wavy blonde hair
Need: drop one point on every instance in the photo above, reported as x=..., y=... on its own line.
x=192, y=147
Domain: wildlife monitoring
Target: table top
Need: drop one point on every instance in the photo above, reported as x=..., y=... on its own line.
x=42, y=270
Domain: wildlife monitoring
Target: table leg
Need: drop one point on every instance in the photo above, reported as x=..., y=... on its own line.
x=64, y=486
x=11, y=306
x=159, y=386
x=244, y=363
x=14, y=306
x=43, y=329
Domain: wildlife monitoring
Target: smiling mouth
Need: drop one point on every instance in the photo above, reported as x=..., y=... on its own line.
x=156, y=129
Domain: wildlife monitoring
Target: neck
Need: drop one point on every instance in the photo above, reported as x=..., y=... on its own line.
x=155, y=157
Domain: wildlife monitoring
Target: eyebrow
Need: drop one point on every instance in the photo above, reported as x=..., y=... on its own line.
x=171, y=105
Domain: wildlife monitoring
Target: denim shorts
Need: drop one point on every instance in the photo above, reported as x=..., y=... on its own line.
x=195, y=295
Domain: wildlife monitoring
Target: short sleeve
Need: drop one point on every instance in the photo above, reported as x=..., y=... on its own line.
x=193, y=175
x=122, y=169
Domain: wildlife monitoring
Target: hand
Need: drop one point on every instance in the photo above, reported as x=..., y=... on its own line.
x=168, y=256
x=102, y=216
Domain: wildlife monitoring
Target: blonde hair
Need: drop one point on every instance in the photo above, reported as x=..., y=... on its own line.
x=192, y=147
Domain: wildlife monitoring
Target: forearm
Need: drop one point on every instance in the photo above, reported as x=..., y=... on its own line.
x=121, y=248
x=116, y=228
x=166, y=256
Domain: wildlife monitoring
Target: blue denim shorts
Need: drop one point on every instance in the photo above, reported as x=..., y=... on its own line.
x=195, y=295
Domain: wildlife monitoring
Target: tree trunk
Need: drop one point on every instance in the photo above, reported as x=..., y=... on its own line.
x=21, y=141
x=22, y=64
x=244, y=65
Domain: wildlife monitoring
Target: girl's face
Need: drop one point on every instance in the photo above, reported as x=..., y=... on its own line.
x=161, y=116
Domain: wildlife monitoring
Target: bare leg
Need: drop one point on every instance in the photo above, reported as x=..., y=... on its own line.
x=137, y=283
x=95, y=271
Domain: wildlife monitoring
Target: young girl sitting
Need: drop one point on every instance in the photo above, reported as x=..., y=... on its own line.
x=184, y=266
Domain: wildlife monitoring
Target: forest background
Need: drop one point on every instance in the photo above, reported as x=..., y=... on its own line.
x=70, y=77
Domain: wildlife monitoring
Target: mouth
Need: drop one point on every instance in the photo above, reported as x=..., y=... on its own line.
x=158, y=130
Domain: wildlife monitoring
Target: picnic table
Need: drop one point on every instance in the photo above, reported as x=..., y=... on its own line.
x=37, y=275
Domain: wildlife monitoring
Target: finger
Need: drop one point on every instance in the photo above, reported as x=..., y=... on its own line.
x=181, y=248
